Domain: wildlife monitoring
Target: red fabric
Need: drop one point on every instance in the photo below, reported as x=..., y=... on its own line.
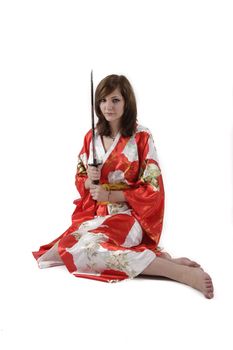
x=146, y=202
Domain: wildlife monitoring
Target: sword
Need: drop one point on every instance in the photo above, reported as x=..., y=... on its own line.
x=95, y=163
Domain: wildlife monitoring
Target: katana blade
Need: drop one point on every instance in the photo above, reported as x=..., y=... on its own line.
x=92, y=120
x=95, y=162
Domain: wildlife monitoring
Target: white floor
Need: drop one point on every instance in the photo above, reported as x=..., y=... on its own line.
x=50, y=309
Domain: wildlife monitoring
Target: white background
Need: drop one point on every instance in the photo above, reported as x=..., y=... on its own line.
x=178, y=56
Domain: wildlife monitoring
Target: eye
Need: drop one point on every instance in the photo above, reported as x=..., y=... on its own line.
x=102, y=100
x=115, y=100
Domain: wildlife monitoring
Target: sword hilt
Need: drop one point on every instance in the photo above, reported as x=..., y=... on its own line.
x=95, y=182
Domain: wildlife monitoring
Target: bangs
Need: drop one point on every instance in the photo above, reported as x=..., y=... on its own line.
x=108, y=88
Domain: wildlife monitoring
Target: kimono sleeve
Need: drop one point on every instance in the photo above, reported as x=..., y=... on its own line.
x=81, y=172
x=146, y=198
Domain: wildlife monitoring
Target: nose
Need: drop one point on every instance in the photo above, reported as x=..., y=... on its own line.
x=108, y=105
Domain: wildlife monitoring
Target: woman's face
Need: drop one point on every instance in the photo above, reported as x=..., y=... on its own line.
x=112, y=106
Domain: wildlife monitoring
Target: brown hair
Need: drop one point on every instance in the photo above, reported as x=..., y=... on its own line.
x=129, y=117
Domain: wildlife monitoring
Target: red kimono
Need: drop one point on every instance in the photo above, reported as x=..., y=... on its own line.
x=113, y=241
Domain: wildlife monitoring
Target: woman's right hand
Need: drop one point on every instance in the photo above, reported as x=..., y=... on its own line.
x=93, y=173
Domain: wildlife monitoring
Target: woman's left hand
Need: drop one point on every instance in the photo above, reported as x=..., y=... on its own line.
x=98, y=193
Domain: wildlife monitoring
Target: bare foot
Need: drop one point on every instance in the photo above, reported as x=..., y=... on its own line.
x=194, y=277
x=186, y=261
x=199, y=280
x=181, y=261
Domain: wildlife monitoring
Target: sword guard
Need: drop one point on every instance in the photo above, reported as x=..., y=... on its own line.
x=95, y=164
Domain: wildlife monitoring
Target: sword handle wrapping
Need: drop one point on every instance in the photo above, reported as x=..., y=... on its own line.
x=95, y=182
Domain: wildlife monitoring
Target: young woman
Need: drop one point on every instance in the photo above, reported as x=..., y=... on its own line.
x=117, y=224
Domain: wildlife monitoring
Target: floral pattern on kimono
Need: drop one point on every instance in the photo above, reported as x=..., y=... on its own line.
x=113, y=241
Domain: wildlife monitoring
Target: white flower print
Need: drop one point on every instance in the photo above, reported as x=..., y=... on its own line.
x=116, y=176
x=115, y=208
x=77, y=235
x=152, y=153
x=118, y=260
x=131, y=150
x=141, y=128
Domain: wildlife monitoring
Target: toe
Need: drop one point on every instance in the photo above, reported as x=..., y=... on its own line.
x=209, y=294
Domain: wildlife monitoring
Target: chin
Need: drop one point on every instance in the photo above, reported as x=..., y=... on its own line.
x=110, y=119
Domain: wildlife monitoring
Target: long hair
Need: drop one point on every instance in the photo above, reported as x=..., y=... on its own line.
x=129, y=117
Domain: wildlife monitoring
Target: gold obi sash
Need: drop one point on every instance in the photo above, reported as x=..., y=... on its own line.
x=113, y=187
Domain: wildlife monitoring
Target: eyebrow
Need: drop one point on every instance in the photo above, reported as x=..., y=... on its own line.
x=114, y=96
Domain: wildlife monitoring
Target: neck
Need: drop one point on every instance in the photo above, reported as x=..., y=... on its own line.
x=114, y=127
